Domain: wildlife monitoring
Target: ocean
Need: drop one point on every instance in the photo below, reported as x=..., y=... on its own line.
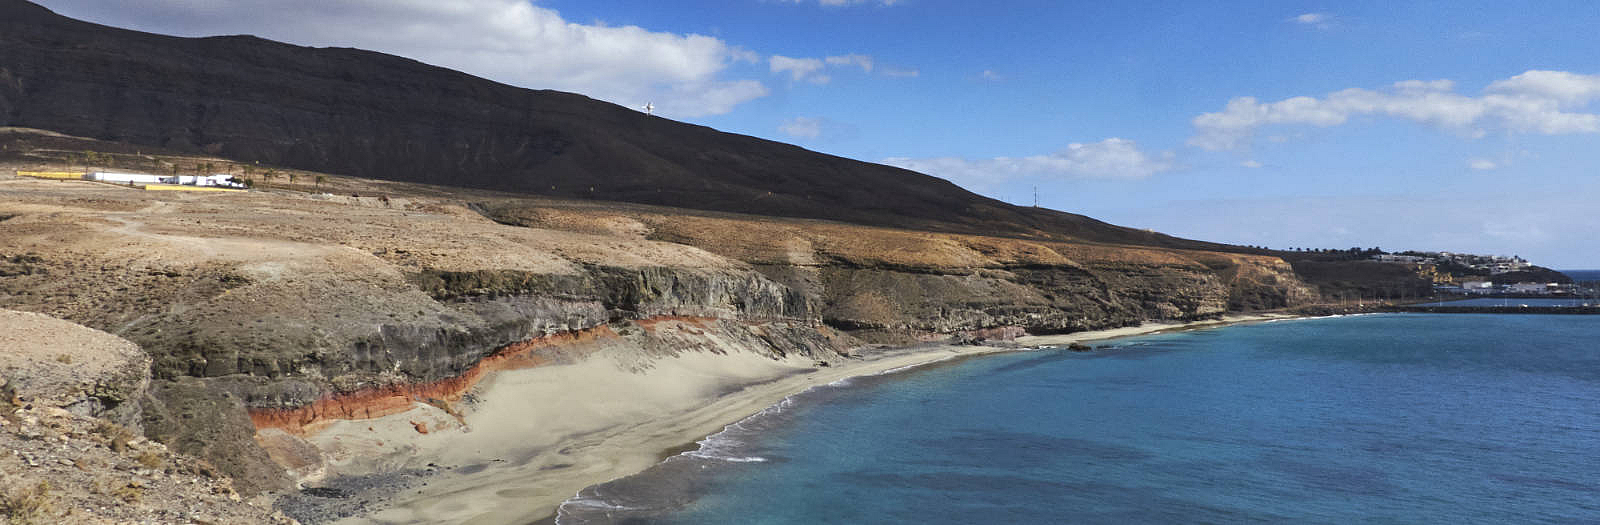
x=1388, y=418
x=1523, y=301
x=1583, y=275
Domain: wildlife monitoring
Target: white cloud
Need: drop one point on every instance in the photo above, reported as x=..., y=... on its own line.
x=840, y=3
x=1564, y=87
x=511, y=41
x=815, y=70
x=990, y=75
x=799, y=68
x=1482, y=164
x=1317, y=20
x=1533, y=102
x=1110, y=158
x=862, y=61
x=1252, y=164
x=802, y=127
x=1311, y=18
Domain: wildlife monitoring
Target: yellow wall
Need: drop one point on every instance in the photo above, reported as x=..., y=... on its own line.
x=50, y=174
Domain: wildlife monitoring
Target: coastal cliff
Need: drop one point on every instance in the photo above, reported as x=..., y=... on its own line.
x=288, y=311
x=555, y=233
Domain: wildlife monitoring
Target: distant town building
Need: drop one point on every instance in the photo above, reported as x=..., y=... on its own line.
x=221, y=180
x=1535, y=288
x=1410, y=259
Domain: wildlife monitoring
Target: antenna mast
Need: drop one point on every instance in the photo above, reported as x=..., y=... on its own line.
x=1036, y=196
x=649, y=108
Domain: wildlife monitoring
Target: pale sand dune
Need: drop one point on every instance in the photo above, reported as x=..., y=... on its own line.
x=541, y=435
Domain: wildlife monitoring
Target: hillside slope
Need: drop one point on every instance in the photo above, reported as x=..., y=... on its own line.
x=379, y=116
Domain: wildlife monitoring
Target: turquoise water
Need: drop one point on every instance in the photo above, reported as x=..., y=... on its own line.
x=1395, y=418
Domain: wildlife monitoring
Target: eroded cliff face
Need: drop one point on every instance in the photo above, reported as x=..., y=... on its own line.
x=890, y=285
x=469, y=326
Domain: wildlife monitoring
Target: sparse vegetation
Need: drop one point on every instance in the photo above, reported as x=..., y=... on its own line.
x=116, y=436
x=150, y=460
x=129, y=493
x=28, y=505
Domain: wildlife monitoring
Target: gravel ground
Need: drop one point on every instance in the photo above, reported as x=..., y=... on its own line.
x=58, y=467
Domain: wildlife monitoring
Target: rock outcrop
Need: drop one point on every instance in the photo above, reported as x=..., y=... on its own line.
x=46, y=361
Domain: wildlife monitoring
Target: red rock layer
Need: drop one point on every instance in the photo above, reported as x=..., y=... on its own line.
x=385, y=400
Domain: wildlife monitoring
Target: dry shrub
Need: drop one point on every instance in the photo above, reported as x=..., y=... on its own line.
x=130, y=493
x=117, y=436
x=150, y=460
x=28, y=505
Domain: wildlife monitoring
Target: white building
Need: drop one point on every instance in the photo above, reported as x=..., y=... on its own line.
x=1538, y=288
x=1477, y=286
x=128, y=178
x=221, y=180
x=1412, y=259
x=216, y=179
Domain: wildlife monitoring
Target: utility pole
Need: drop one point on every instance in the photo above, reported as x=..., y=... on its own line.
x=1036, y=195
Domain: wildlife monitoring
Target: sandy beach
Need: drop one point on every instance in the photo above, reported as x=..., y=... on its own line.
x=536, y=437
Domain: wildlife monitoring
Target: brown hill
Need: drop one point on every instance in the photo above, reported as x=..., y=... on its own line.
x=379, y=116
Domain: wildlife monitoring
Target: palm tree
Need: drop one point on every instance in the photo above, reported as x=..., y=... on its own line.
x=321, y=179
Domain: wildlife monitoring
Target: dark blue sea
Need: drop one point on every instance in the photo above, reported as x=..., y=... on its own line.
x=1583, y=275
x=1390, y=418
x=1523, y=301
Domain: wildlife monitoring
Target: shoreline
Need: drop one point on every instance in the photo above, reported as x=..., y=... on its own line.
x=535, y=482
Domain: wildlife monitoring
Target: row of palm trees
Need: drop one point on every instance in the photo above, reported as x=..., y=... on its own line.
x=250, y=172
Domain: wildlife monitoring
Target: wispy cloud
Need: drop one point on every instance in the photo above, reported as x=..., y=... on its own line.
x=842, y=3
x=862, y=61
x=1539, y=102
x=802, y=127
x=816, y=70
x=1317, y=20
x=807, y=69
x=1110, y=158
x=991, y=75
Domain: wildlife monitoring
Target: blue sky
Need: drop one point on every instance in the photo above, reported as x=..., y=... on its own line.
x=1459, y=126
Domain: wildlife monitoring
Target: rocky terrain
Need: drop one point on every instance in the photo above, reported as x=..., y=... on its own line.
x=69, y=427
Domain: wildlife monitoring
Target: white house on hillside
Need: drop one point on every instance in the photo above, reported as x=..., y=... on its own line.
x=221, y=180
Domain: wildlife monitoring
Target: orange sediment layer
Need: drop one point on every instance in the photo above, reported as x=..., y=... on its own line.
x=386, y=400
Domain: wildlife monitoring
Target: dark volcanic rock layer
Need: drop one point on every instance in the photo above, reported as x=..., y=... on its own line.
x=373, y=115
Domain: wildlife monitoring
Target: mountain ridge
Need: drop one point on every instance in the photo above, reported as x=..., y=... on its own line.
x=374, y=115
